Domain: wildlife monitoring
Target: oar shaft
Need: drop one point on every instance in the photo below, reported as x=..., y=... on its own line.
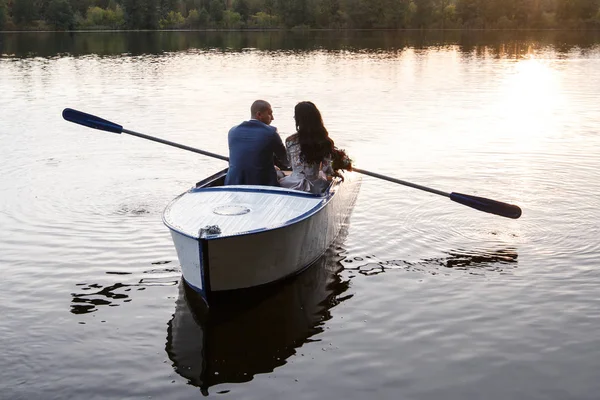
x=92, y=121
x=181, y=146
x=401, y=182
x=478, y=203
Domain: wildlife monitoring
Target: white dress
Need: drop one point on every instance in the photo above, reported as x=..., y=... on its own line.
x=306, y=177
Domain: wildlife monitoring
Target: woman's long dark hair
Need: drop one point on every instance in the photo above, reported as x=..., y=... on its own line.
x=315, y=143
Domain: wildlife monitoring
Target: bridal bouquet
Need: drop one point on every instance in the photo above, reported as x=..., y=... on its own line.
x=340, y=160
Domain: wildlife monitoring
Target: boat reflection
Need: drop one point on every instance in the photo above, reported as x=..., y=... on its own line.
x=250, y=333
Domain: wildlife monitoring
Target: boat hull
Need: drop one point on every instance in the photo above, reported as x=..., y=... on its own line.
x=219, y=264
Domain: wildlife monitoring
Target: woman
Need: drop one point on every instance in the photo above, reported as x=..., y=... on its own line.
x=313, y=157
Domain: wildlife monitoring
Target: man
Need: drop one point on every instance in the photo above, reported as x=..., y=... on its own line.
x=252, y=145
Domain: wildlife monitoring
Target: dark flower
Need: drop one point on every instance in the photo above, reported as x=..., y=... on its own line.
x=340, y=160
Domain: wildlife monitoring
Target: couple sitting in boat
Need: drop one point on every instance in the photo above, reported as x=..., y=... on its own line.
x=310, y=153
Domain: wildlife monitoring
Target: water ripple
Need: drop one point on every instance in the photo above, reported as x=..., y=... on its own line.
x=435, y=299
x=474, y=261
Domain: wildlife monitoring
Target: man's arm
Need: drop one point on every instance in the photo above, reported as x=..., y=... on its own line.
x=280, y=154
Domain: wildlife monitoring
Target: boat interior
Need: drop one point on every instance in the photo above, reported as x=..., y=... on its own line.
x=218, y=179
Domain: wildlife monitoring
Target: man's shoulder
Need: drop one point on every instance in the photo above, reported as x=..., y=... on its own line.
x=261, y=125
x=234, y=128
x=254, y=125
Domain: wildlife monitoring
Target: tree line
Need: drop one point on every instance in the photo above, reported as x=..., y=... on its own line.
x=298, y=14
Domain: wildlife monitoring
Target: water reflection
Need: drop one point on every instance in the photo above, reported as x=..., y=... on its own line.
x=89, y=296
x=98, y=295
x=473, y=261
x=236, y=340
x=461, y=259
x=509, y=44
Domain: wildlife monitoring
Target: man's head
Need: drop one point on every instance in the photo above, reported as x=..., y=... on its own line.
x=262, y=111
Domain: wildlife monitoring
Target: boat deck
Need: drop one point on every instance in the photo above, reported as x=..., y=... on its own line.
x=224, y=211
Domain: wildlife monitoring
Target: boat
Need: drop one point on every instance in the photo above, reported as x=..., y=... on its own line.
x=237, y=237
x=241, y=337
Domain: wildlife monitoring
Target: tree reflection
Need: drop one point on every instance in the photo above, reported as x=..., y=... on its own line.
x=504, y=44
x=473, y=261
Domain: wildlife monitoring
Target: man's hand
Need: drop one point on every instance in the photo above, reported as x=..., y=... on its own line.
x=279, y=165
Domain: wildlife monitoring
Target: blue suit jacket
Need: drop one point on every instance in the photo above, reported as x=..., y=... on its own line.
x=252, y=145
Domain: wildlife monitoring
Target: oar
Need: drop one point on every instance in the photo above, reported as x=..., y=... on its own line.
x=92, y=121
x=479, y=203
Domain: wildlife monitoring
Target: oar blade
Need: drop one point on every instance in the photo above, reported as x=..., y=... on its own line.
x=487, y=205
x=90, y=121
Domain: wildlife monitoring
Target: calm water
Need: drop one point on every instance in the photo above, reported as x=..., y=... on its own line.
x=420, y=298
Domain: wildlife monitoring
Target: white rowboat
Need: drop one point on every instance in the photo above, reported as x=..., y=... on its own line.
x=239, y=237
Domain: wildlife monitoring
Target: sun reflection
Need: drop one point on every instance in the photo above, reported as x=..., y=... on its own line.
x=531, y=100
x=531, y=90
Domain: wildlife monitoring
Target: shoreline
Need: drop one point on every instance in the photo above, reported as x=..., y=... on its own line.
x=291, y=30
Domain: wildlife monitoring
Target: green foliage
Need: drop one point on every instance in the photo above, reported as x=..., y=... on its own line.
x=167, y=6
x=242, y=8
x=3, y=14
x=505, y=23
x=173, y=20
x=101, y=18
x=400, y=15
x=572, y=10
x=296, y=12
x=197, y=19
x=268, y=6
x=216, y=9
x=24, y=11
x=141, y=14
x=424, y=14
x=60, y=14
x=471, y=13
x=359, y=13
x=263, y=20
x=82, y=6
x=95, y=17
x=231, y=20
x=326, y=13
x=299, y=14
x=449, y=17
x=587, y=9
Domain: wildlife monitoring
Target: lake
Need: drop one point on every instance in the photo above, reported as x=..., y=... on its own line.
x=419, y=298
